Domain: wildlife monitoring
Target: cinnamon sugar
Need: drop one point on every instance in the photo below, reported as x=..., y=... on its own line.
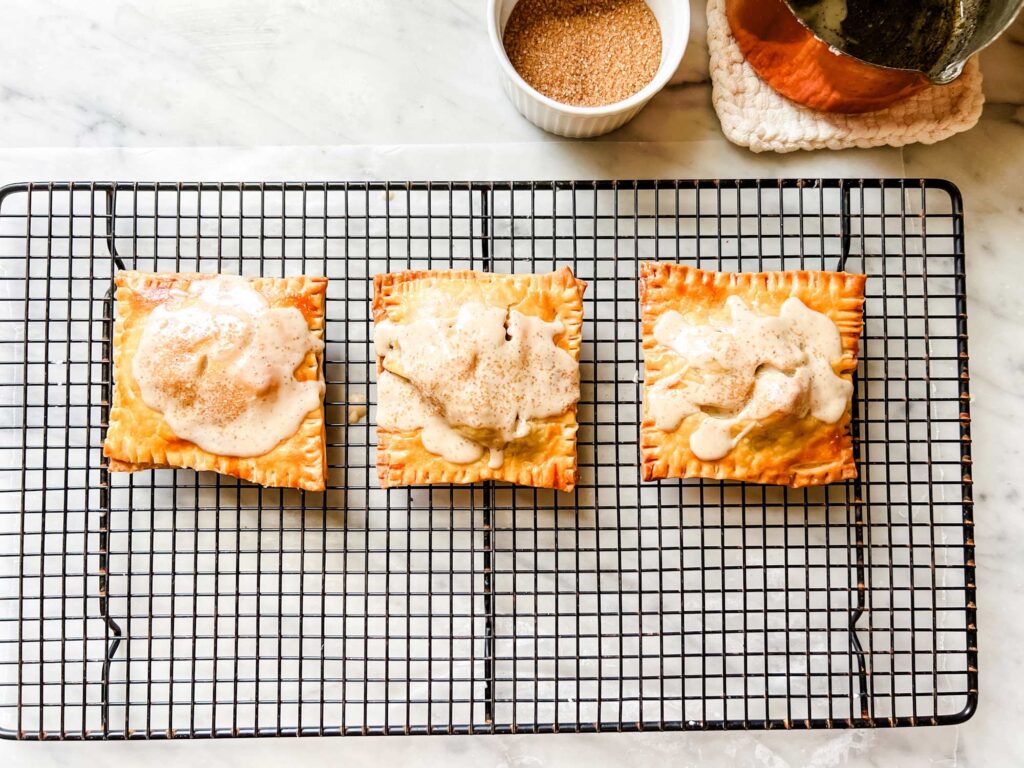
x=585, y=53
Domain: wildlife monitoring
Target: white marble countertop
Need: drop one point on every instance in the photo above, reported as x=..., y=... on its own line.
x=348, y=89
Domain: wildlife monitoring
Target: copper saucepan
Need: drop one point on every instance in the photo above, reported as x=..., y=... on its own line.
x=802, y=66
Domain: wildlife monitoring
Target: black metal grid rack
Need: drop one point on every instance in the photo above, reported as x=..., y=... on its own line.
x=171, y=604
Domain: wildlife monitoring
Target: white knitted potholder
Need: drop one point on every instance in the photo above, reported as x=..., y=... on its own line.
x=754, y=115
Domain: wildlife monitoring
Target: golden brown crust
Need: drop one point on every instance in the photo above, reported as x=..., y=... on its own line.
x=139, y=438
x=546, y=457
x=795, y=452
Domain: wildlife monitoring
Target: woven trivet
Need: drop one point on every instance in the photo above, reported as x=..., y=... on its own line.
x=754, y=115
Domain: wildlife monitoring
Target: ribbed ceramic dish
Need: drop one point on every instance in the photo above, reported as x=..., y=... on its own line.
x=581, y=122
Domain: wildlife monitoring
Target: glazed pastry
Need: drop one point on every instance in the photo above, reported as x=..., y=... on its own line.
x=748, y=376
x=478, y=377
x=220, y=373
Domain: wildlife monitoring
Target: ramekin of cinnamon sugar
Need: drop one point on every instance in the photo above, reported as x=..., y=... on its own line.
x=581, y=68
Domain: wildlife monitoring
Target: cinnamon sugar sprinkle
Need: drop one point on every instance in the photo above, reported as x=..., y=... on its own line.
x=586, y=53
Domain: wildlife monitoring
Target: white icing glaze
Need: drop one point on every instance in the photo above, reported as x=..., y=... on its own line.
x=356, y=413
x=752, y=369
x=496, y=458
x=219, y=363
x=478, y=378
x=400, y=406
x=357, y=408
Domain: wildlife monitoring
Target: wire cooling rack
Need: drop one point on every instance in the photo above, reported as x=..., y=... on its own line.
x=174, y=604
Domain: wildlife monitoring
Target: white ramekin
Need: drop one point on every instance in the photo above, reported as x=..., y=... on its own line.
x=579, y=122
